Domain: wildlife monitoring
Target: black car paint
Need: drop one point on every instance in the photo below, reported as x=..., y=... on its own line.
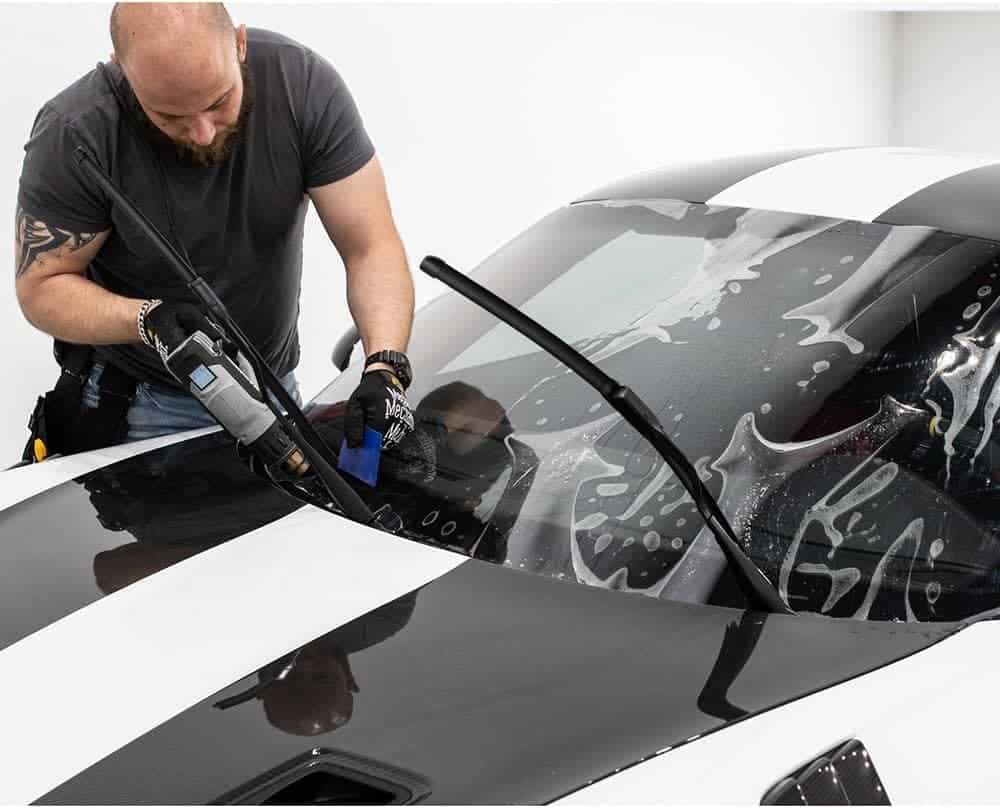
x=964, y=203
x=64, y=548
x=488, y=689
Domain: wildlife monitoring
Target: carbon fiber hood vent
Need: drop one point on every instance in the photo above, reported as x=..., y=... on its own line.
x=843, y=776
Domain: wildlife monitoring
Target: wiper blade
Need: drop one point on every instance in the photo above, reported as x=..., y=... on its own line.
x=760, y=592
x=296, y=425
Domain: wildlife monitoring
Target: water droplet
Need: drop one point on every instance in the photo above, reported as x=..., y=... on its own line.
x=679, y=416
x=735, y=288
x=541, y=421
x=595, y=407
x=611, y=489
x=933, y=592
x=602, y=543
x=822, y=365
x=971, y=311
x=781, y=334
x=660, y=498
x=714, y=323
x=651, y=540
x=765, y=408
x=937, y=546
x=540, y=401
x=448, y=528
x=767, y=368
x=628, y=542
x=847, y=259
x=591, y=521
x=803, y=382
x=983, y=291
x=681, y=522
x=677, y=543
x=429, y=519
x=822, y=279
x=646, y=521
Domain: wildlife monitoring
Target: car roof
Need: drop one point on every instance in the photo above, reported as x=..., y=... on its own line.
x=950, y=191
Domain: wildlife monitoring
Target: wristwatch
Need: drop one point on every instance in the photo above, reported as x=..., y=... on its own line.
x=400, y=364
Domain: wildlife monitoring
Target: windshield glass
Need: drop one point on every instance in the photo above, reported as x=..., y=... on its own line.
x=832, y=381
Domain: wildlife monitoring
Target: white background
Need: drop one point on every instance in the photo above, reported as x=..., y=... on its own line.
x=488, y=116
x=948, y=81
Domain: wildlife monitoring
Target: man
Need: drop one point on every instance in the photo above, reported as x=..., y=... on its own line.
x=219, y=135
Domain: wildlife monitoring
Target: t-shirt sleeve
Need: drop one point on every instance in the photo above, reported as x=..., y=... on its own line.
x=52, y=187
x=335, y=143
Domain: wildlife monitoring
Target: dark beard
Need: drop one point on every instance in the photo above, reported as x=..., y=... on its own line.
x=210, y=155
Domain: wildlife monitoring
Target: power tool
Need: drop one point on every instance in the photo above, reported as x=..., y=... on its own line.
x=228, y=393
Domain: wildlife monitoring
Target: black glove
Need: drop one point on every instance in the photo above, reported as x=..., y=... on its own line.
x=167, y=324
x=379, y=402
x=413, y=460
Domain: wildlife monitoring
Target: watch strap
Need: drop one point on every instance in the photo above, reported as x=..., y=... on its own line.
x=395, y=359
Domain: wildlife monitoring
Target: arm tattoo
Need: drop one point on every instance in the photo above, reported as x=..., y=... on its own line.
x=34, y=238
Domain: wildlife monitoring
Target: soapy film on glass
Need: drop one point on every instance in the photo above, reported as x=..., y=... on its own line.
x=834, y=383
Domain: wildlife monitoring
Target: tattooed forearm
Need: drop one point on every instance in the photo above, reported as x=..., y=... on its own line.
x=35, y=238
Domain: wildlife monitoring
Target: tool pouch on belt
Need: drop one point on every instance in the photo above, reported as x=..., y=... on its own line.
x=60, y=424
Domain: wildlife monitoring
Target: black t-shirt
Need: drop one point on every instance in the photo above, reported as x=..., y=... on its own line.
x=241, y=221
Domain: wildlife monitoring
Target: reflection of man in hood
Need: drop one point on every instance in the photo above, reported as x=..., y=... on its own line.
x=306, y=692
x=311, y=690
x=196, y=495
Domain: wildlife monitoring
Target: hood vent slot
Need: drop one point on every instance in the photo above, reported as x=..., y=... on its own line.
x=330, y=788
x=327, y=777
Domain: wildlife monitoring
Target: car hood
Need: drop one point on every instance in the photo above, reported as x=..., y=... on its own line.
x=477, y=682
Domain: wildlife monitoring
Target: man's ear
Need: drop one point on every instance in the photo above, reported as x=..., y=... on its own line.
x=241, y=43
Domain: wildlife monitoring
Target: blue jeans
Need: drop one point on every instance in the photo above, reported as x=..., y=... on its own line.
x=159, y=410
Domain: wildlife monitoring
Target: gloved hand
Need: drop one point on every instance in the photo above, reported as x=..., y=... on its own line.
x=413, y=460
x=379, y=402
x=168, y=324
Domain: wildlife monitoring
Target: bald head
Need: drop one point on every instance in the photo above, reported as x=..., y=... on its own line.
x=186, y=65
x=137, y=22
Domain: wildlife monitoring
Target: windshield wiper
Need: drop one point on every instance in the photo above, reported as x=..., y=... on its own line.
x=759, y=591
x=295, y=424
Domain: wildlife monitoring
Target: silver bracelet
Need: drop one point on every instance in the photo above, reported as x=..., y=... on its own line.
x=140, y=320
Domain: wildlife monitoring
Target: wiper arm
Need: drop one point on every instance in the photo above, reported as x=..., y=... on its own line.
x=760, y=592
x=295, y=424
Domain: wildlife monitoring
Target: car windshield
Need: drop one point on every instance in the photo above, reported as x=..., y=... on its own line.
x=833, y=382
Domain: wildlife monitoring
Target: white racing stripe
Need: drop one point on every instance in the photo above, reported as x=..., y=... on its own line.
x=84, y=686
x=857, y=184
x=18, y=484
x=927, y=720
